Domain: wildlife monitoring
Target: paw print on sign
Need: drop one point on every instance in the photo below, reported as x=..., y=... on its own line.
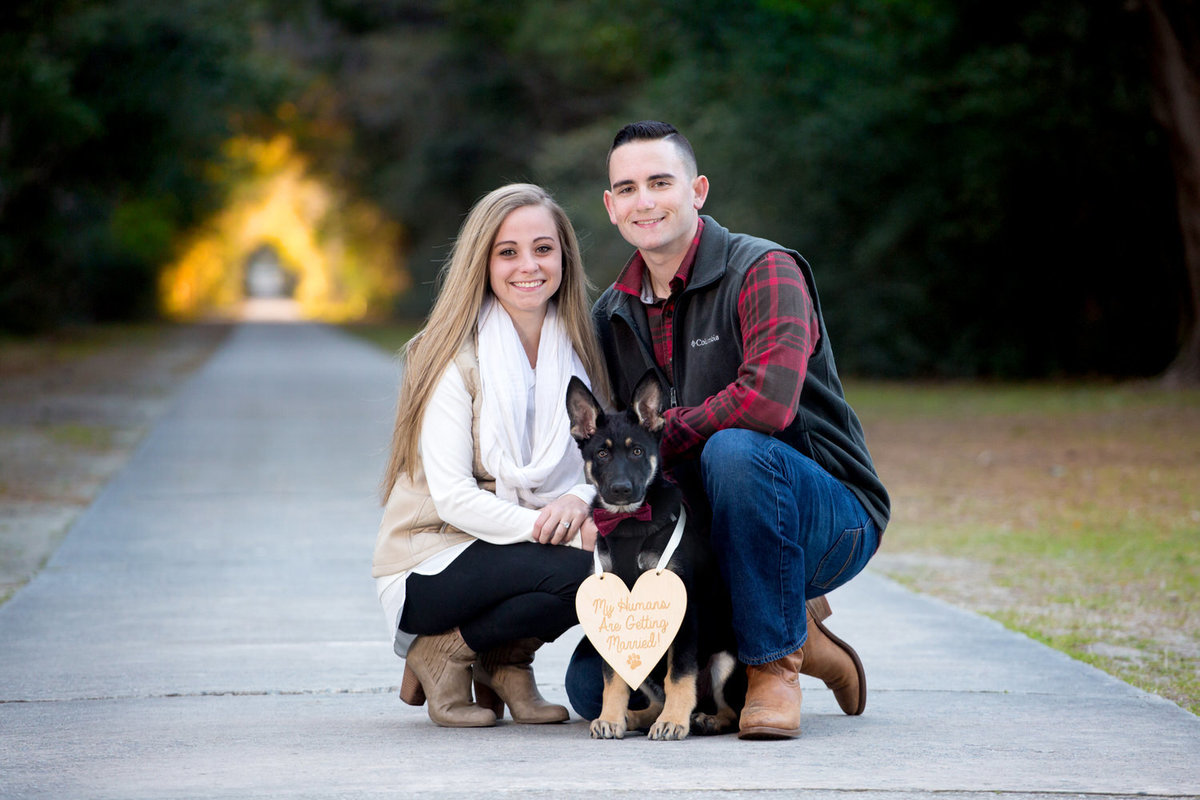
x=634, y=661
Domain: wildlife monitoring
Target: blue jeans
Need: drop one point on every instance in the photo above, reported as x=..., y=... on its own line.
x=783, y=529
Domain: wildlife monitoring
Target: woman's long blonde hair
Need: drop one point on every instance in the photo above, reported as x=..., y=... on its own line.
x=463, y=283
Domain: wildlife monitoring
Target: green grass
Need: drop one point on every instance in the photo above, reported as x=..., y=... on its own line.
x=972, y=399
x=72, y=343
x=1075, y=506
x=73, y=434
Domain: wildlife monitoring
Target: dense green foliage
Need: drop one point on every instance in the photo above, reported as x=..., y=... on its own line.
x=981, y=187
x=110, y=113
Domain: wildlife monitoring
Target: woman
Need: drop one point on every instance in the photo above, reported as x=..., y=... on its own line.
x=485, y=484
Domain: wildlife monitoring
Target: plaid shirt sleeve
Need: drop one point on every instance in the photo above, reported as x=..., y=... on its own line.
x=779, y=332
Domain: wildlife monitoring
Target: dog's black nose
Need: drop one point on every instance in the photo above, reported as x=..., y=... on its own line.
x=619, y=491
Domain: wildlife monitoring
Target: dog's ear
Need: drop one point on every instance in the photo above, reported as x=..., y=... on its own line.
x=647, y=402
x=583, y=410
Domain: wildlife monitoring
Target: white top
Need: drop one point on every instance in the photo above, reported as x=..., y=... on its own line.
x=447, y=453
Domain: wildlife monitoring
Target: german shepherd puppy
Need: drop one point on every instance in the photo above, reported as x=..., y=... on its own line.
x=688, y=689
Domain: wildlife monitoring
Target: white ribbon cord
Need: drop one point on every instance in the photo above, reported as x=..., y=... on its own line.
x=665, y=558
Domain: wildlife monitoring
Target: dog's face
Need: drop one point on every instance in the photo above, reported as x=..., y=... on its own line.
x=620, y=451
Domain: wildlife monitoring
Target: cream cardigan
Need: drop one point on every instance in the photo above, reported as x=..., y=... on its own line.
x=412, y=530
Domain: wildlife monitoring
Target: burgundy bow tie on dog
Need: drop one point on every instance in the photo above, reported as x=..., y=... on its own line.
x=607, y=520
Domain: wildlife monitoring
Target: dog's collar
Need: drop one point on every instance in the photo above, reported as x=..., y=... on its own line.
x=668, y=551
x=607, y=520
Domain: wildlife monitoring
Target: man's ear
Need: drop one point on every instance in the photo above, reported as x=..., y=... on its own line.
x=700, y=188
x=647, y=402
x=608, y=206
x=583, y=410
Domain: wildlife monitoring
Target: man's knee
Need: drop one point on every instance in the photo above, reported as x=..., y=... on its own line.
x=741, y=466
x=730, y=443
x=731, y=452
x=741, y=459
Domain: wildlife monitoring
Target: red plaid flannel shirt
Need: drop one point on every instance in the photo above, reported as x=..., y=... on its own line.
x=779, y=332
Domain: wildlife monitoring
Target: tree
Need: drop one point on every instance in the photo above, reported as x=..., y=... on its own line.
x=982, y=187
x=972, y=183
x=1175, y=56
x=110, y=112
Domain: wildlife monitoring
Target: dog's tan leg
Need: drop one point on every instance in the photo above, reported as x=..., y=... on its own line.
x=675, y=722
x=720, y=668
x=611, y=722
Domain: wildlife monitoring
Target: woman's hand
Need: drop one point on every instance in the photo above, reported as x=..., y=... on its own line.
x=588, y=534
x=560, y=520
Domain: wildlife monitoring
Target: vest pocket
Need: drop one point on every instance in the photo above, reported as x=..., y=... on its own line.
x=831, y=572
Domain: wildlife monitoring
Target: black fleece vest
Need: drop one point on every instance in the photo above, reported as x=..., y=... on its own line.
x=707, y=352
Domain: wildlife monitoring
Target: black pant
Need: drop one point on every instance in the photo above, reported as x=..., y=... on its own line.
x=498, y=593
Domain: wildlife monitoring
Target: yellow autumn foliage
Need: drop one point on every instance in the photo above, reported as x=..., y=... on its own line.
x=343, y=255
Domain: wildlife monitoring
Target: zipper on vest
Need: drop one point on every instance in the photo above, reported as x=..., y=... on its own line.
x=681, y=303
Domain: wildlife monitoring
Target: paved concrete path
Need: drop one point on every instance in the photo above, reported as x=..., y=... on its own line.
x=208, y=629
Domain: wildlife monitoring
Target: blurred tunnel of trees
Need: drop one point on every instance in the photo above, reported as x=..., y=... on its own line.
x=984, y=189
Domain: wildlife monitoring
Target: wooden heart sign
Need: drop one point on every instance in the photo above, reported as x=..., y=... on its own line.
x=632, y=629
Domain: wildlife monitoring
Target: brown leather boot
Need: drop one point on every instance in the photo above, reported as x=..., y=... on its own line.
x=505, y=675
x=772, y=709
x=438, y=669
x=819, y=607
x=829, y=658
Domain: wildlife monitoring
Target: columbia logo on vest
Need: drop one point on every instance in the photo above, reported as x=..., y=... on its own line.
x=702, y=342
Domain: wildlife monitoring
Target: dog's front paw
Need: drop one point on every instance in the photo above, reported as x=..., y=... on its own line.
x=608, y=729
x=666, y=730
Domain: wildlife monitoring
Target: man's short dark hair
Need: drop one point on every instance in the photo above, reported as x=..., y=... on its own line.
x=649, y=130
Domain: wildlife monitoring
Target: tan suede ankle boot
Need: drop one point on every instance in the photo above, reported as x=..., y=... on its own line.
x=438, y=669
x=505, y=675
x=773, y=698
x=835, y=662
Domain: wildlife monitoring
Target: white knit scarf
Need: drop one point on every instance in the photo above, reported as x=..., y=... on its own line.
x=555, y=464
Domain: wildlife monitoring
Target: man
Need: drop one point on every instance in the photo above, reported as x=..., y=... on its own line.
x=758, y=429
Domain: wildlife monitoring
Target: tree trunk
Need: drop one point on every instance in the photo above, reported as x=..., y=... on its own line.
x=1175, y=56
